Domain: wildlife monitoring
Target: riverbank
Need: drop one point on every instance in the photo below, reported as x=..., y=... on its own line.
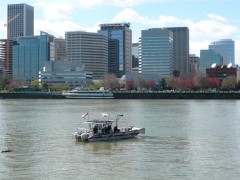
x=131, y=95
x=178, y=95
x=30, y=95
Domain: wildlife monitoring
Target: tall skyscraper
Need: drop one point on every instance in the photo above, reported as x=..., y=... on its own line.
x=226, y=48
x=156, y=53
x=91, y=49
x=23, y=25
x=20, y=22
x=123, y=34
x=180, y=50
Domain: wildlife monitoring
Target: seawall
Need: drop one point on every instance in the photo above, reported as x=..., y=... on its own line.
x=177, y=95
x=30, y=95
x=130, y=95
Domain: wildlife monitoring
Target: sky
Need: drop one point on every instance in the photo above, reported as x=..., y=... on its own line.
x=207, y=20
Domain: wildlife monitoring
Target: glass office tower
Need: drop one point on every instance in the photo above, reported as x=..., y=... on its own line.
x=208, y=58
x=156, y=52
x=29, y=56
x=226, y=48
x=123, y=34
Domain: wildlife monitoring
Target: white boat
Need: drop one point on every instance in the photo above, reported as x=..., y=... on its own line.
x=81, y=93
x=101, y=130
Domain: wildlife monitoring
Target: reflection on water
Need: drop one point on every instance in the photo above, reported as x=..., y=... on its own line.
x=185, y=139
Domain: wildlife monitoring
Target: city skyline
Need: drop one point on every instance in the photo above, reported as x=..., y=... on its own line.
x=207, y=21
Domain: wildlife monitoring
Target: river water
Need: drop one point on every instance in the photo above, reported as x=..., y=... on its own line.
x=185, y=139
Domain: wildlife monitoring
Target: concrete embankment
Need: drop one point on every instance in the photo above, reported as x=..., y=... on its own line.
x=176, y=95
x=130, y=95
x=30, y=95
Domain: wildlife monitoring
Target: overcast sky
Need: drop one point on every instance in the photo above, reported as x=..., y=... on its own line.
x=207, y=20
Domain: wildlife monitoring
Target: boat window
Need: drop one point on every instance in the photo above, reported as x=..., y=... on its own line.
x=99, y=126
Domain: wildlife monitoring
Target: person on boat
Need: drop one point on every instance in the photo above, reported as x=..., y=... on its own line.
x=109, y=129
x=115, y=129
x=95, y=129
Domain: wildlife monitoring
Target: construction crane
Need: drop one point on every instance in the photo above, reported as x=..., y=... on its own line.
x=7, y=42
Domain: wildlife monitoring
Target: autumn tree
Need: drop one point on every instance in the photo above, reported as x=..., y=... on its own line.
x=203, y=82
x=187, y=84
x=230, y=82
x=169, y=81
x=129, y=85
x=110, y=81
x=143, y=84
x=213, y=82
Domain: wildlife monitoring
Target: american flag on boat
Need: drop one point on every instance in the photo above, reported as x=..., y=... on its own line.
x=84, y=115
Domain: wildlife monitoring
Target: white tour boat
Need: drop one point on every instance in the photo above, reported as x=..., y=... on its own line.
x=101, y=130
x=81, y=93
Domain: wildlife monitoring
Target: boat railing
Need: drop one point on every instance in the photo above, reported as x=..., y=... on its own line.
x=82, y=130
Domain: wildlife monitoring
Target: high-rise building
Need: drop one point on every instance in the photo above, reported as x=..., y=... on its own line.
x=208, y=58
x=193, y=65
x=29, y=56
x=135, y=63
x=91, y=49
x=20, y=22
x=156, y=53
x=23, y=25
x=226, y=48
x=180, y=50
x=123, y=34
x=60, y=52
x=3, y=56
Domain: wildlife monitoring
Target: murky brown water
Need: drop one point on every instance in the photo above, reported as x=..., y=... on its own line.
x=185, y=139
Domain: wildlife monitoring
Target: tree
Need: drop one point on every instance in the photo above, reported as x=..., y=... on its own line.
x=238, y=83
x=110, y=81
x=3, y=83
x=187, y=84
x=44, y=86
x=35, y=83
x=143, y=84
x=203, y=82
x=129, y=85
x=163, y=84
x=213, y=82
x=230, y=82
x=95, y=86
x=150, y=84
x=169, y=82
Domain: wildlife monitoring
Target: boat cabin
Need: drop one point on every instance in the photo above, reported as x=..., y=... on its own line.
x=100, y=126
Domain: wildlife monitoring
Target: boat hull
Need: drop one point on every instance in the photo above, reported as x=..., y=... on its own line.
x=90, y=94
x=87, y=97
x=107, y=137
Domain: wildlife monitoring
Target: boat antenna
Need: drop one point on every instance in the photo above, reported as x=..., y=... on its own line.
x=118, y=117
